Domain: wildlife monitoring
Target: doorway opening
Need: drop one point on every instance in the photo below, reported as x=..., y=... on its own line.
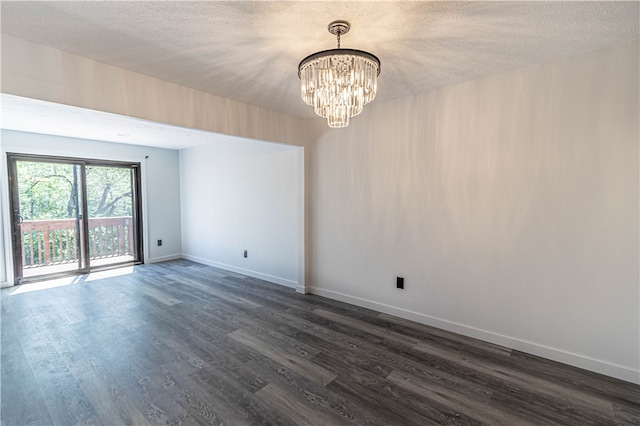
x=72, y=216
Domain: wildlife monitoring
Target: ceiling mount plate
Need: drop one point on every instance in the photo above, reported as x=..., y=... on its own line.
x=339, y=27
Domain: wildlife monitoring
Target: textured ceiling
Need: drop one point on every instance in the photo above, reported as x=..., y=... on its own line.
x=249, y=50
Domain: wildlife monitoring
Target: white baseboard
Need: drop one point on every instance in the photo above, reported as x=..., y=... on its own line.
x=164, y=258
x=5, y=284
x=248, y=272
x=559, y=355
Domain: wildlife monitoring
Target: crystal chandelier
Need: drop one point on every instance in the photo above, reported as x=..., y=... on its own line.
x=337, y=83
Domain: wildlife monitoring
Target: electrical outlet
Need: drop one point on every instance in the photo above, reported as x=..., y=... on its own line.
x=400, y=282
x=245, y=254
x=159, y=243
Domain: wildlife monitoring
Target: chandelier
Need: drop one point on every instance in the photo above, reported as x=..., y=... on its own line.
x=337, y=83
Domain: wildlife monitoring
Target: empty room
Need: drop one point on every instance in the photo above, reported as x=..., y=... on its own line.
x=320, y=213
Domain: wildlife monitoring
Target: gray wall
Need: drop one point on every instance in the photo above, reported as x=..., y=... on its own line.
x=509, y=205
x=240, y=194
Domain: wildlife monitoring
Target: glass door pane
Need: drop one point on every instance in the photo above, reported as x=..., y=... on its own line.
x=47, y=218
x=111, y=215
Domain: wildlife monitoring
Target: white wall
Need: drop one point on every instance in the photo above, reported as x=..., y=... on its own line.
x=35, y=71
x=509, y=205
x=3, y=242
x=160, y=186
x=239, y=194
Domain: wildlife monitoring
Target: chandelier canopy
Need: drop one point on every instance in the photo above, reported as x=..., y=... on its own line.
x=338, y=83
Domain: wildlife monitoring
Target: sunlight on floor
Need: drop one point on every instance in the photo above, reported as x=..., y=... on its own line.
x=61, y=282
x=45, y=285
x=109, y=273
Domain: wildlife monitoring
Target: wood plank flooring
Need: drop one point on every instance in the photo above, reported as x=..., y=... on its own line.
x=179, y=343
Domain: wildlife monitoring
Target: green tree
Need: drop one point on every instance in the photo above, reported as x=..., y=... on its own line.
x=45, y=190
x=109, y=191
x=50, y=190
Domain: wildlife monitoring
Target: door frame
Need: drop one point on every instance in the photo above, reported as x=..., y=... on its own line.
x=14, y=205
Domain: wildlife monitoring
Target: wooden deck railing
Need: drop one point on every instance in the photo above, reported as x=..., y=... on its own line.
x=50, y=242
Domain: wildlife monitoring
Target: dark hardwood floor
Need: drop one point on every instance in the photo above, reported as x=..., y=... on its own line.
x=182, y=343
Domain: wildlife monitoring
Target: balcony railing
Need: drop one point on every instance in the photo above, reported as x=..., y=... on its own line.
x=55, y=242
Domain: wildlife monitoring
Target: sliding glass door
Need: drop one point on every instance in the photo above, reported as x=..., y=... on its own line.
x=72, y=215
x=47, y=217
x=110, y=213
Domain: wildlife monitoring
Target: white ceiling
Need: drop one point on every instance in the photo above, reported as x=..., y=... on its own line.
x=250, y=50
x=36, y=116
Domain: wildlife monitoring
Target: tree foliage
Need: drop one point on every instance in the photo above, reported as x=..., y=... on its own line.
x=110, y=194
x=51, y=190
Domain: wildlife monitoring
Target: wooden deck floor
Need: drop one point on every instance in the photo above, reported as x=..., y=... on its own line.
x=36, y=271
x=182, y=343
